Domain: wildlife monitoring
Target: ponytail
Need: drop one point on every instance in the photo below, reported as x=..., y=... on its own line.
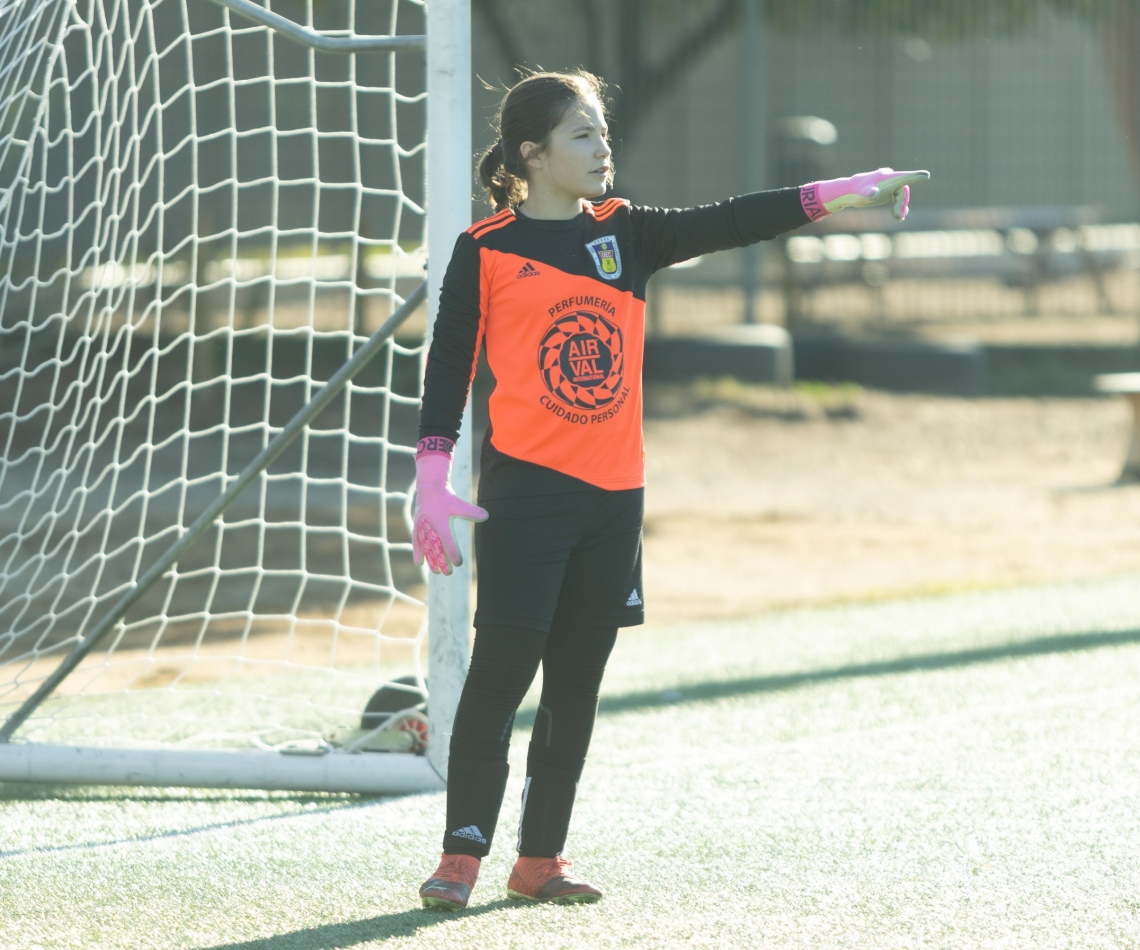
x=528, y=113
x=504, y=188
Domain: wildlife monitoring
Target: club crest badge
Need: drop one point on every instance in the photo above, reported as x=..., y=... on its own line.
x=606, y=257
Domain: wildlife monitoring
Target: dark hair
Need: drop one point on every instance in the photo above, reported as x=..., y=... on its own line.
x=528, y=113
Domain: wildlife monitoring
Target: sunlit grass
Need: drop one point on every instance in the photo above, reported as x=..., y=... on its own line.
x=951, y=772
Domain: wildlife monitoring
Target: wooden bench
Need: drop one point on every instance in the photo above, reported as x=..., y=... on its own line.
x=1019, y=247
x=1127, y=385
x=1023, y=247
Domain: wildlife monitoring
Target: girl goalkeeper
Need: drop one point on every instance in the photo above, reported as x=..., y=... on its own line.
x=553, y=285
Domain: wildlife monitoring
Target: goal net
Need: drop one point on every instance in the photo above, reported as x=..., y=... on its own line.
x=200, y=220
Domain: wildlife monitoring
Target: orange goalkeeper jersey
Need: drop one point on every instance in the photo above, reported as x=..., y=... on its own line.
x=560, y=308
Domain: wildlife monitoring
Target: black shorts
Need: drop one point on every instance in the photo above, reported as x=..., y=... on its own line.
x=574, y=555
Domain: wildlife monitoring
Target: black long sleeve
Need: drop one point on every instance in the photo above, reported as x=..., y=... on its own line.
x=454, y=345
x=669, y=236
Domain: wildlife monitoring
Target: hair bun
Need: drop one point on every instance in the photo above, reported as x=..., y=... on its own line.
x=495, y=178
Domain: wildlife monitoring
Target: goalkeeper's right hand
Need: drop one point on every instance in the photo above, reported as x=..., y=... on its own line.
x=436, y=505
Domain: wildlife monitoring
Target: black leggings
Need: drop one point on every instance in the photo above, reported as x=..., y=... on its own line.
x=503, y=665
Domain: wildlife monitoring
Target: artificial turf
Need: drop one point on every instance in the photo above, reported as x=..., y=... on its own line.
x=954, y=772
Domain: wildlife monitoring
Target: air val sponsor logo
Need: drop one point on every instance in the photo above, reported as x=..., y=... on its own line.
x=583, y=358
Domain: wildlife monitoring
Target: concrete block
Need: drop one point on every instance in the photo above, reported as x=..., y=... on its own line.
x=917, y=366
x=756, y=353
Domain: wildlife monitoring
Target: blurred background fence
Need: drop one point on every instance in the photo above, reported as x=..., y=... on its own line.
x=1017, y=272
x=1020, y=264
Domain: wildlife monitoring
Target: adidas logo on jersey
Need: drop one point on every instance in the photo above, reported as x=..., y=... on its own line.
x=527, y=270
x=634, y=600
x=471, y=832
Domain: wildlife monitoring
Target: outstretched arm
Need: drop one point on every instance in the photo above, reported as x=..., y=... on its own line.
x=669, y=236
x=665, y=236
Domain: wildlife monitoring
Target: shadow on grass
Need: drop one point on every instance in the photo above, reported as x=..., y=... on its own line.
x=609, y=705
x=778, y=682
x=333, y=936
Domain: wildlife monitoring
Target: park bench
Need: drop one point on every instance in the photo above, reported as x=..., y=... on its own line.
x=1019, y=247
x=1022, y=247
x=1127, y=385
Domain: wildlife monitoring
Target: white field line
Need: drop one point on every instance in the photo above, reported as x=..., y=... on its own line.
x=187, y=832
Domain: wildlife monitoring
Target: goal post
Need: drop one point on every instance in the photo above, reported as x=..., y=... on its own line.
x=194, y=223
x=449, y=193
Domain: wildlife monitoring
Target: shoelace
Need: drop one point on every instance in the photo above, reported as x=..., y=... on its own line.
x=560, y=865
x=548, y=869
x=453, y=868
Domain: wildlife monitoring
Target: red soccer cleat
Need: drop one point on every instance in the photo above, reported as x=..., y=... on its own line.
x=449, y=888
x=546, y=879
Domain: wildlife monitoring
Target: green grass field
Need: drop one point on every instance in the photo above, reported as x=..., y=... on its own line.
x=956, y=772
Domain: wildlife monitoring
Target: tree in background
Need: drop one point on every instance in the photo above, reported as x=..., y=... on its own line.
x=688, y=30
x=1120, y=34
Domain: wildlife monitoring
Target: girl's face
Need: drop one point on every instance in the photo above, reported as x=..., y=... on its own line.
x=576, y=162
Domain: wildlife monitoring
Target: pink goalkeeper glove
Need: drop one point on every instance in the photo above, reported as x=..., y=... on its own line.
x=865, y=190
x=436, y=505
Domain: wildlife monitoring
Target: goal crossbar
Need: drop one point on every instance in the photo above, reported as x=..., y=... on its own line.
x=202, y=524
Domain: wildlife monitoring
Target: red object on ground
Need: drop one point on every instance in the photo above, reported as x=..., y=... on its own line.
x=546, y=879
x=449, y=888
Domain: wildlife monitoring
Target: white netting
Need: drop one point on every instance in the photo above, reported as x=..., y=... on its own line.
x=198, y=220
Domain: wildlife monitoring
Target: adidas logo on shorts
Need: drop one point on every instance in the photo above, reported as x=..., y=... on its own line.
x=471, y=832
x=634, y=600
x=527, y=270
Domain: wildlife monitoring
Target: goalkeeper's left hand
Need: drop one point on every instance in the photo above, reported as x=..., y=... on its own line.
x=865, y=190
x=436, y=504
